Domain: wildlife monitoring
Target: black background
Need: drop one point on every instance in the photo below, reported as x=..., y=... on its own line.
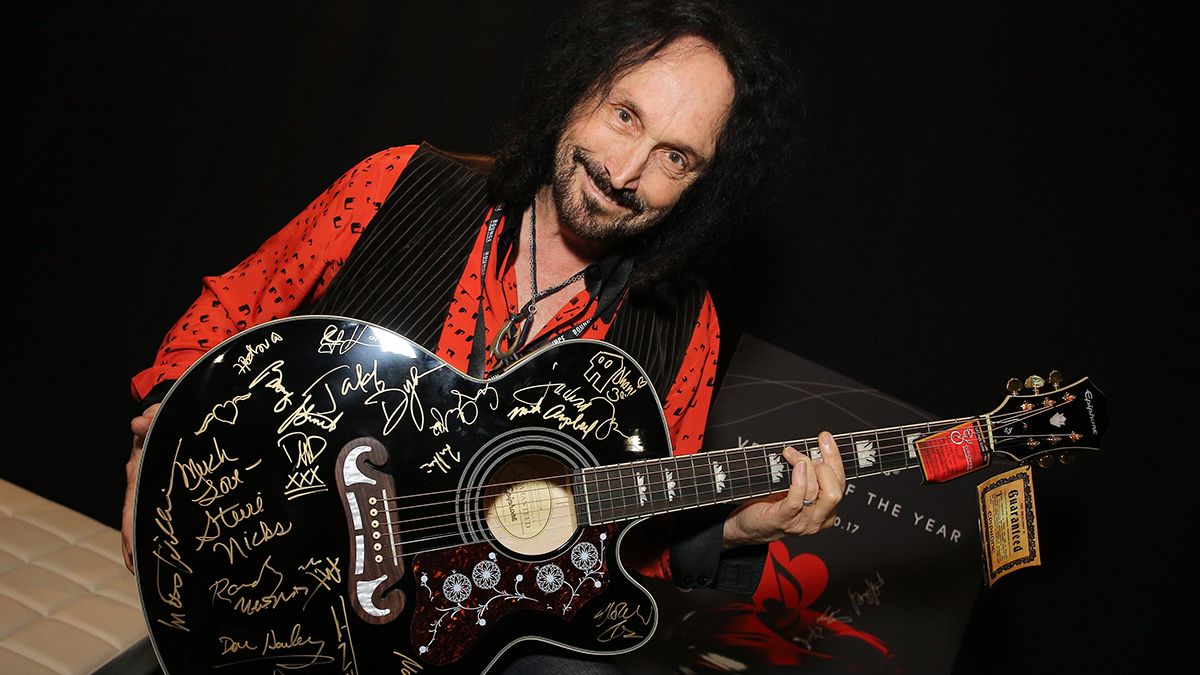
x=994, y=190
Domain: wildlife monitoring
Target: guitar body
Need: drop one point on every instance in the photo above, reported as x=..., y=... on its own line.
x=322, y=494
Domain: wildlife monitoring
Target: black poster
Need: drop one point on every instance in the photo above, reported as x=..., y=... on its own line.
x=888, y=589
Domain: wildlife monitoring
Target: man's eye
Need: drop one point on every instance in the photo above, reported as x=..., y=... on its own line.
x=624, y=116
x=677, y=160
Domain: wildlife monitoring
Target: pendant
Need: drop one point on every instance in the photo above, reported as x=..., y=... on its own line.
x=508, y=333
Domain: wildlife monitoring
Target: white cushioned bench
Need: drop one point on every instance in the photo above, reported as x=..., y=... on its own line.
x=67, y=603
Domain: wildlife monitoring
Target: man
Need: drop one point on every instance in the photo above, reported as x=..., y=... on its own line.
x=645, y=132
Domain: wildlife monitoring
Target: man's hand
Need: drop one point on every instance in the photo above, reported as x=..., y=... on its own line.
x=806, y=508
x=140, y=425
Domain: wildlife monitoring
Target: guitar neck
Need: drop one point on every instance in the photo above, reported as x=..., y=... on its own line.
x=638, y=489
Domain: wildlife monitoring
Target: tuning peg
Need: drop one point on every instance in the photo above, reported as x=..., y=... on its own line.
x=1067, y=458
x=1013, y=386
x=1055, y=378
x=1045, y=461
x=1034, y=383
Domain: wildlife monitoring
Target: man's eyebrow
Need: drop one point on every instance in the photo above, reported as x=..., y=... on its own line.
x=700, y=158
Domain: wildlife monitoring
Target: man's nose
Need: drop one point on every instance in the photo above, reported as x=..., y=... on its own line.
x=625, y=165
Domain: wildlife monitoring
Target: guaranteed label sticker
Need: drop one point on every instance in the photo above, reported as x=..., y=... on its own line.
x=1008, y=524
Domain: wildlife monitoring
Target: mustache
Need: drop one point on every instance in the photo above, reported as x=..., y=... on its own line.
x=599, y=175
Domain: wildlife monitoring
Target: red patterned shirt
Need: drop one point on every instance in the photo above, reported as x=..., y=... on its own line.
x=295, y=266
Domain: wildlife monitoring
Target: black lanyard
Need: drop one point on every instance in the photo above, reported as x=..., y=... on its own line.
x=475, y=366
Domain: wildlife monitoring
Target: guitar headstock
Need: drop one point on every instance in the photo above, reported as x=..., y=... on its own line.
x=1044, y=421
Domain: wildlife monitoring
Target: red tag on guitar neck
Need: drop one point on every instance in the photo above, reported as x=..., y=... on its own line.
x=951, y=453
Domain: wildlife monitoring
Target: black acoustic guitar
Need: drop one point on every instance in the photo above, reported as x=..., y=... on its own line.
x=323, y=495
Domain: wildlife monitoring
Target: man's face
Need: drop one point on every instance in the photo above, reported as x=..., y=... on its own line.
x=623, y=161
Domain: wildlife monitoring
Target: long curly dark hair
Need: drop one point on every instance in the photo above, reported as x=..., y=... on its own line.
x=587, y=49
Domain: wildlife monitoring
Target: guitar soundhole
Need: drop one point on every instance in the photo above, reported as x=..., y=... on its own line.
x=528, y=506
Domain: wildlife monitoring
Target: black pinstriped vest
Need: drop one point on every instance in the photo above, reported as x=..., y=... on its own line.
x=403, y=271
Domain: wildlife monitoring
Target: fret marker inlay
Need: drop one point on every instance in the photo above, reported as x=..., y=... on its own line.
x=641, y=481
x=776, y=468
x=910, y=442
x=718, y=476
x=865, y=452
x=670, y=486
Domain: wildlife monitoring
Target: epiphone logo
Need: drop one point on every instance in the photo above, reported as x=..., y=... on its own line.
x=1087, y=401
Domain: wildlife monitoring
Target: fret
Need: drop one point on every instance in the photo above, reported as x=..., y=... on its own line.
x=883, y=453
x=613, y=494
x=910, y=443
x=616, y=494
x=758, y=478
x=907, y=439
x=810, y=448
x=688, y=484
x=627, y=484
x=661, y=477
x=866, y=453
x=710, y=478
x=640, y=483
x=646, y=487
x=582, y=504
x=601, y=495
x=737, y=482
x=891, y=453
x=850, y=462
x=863, y=455
x=673, y=483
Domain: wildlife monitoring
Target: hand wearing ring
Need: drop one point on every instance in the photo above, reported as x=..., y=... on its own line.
x=808, y=505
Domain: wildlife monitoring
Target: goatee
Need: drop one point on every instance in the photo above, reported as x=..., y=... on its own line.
x=582, y=214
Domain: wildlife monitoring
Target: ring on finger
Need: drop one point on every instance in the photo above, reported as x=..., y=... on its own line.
x=809, y=502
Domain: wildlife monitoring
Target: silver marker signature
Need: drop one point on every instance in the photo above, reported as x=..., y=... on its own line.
x=869, y=596
x=830, y=616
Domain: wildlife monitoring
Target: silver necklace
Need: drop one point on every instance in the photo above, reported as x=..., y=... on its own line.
x=517, y=337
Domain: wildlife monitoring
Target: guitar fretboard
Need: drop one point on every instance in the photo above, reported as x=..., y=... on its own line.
x=637, y=489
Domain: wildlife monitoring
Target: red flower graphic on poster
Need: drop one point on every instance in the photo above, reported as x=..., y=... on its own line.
x=788, y=623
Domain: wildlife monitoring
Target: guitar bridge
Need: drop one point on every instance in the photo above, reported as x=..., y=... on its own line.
x=375, y=551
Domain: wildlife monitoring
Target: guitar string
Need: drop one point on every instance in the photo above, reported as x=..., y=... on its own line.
x=622, y=492
x=713, y=455
x=601, y=473
x=772, y=445
x=451, y=523
x=456, y=535
x=606, y=498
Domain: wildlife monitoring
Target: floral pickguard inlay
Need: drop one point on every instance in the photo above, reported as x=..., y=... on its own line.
x=461, y=589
